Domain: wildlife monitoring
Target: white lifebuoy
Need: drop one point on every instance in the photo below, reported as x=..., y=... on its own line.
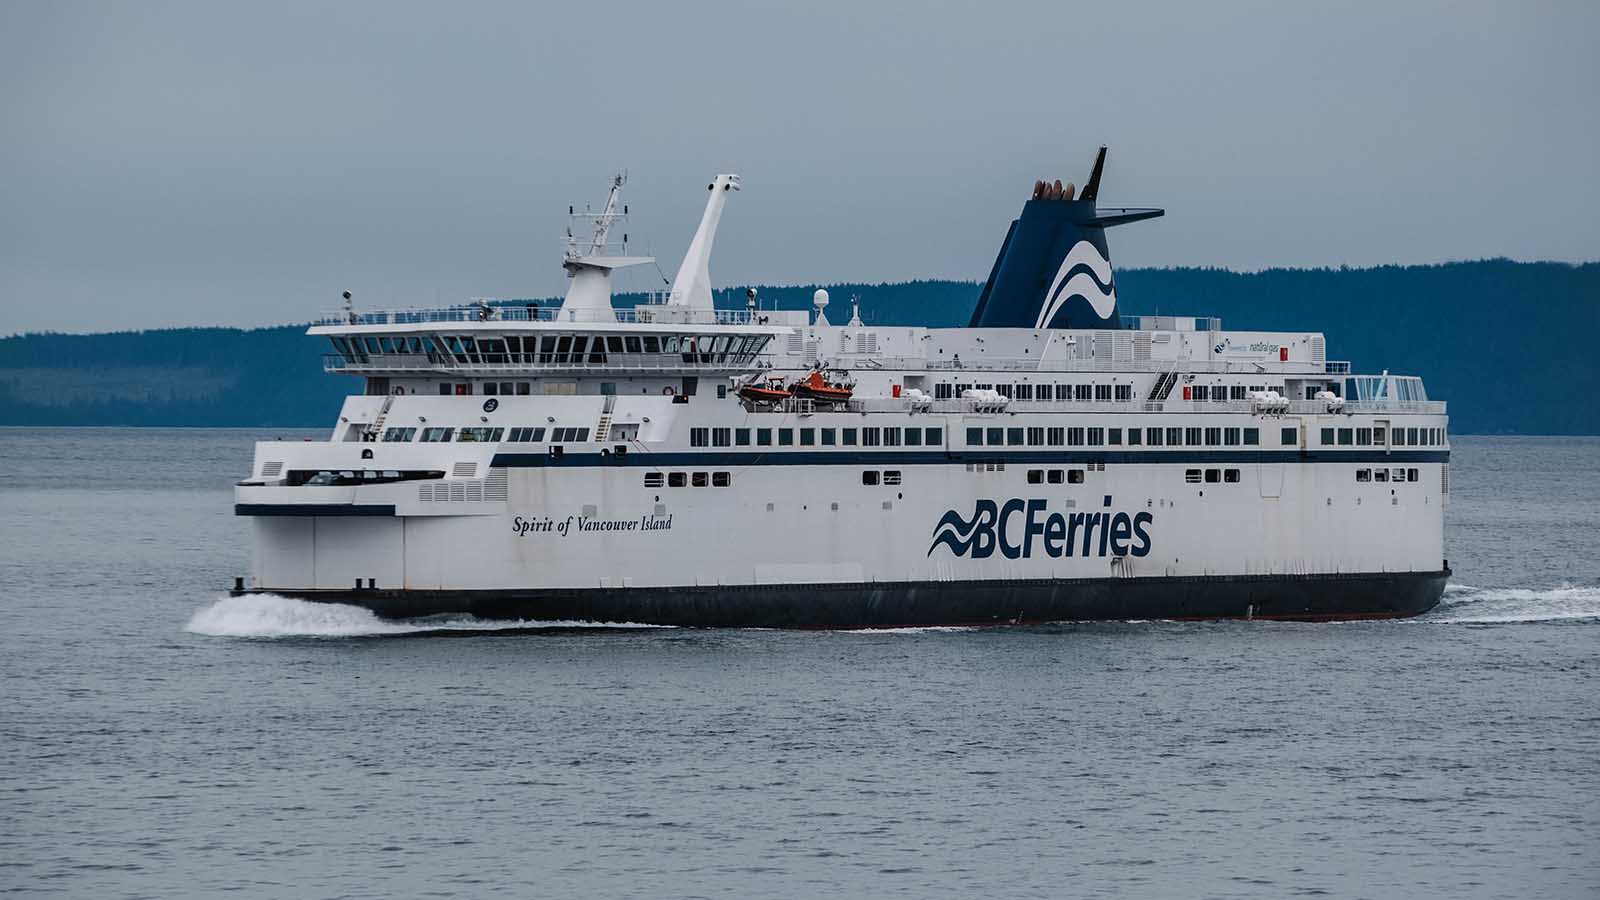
x=668, y=391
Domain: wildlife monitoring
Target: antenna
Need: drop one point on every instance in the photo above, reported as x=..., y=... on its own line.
x=1091, y=191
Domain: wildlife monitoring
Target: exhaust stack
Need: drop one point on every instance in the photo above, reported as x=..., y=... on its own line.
x=1053, y=269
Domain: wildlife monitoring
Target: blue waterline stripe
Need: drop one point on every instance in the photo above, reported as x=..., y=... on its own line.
x=311, y=509
x=646, y=460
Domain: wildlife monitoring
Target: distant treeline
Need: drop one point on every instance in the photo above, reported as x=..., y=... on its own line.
x=1506, y=343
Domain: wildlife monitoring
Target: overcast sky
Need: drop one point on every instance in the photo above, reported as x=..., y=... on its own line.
x=210, y=163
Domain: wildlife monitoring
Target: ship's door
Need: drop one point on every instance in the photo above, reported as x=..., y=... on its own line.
x=689, y=386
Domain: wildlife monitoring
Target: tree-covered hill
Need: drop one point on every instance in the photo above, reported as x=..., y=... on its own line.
x=1506, y=343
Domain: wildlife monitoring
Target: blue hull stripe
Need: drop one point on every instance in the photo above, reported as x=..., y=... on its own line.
x=1216, y=457
x=311, y=509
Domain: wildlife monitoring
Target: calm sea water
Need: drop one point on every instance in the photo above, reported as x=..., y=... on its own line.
x=159, y=740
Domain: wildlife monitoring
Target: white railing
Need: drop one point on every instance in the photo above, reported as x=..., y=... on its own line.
x=528, y=363
x=1136, y=405
x=641, y=314
x=1113, y=367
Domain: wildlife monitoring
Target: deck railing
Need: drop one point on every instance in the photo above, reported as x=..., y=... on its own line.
x=641, y=314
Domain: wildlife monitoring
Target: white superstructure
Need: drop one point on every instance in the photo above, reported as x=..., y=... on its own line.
x=598, y=462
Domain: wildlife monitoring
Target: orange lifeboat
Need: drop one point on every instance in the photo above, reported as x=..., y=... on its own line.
x=816, y=387
x=770, y=392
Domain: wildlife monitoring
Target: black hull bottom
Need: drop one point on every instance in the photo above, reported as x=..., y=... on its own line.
x=887, y=605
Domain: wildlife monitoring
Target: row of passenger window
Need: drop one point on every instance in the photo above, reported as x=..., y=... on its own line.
x=1211, y=476
x=687, y=479
x=1118, y=437
x=1084, y=392
x=1386, y=475
x=1376, y=437
x=1055, y=476
x=486, y=435
x=810, y=437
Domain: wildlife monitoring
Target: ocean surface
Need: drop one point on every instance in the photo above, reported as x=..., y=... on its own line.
x=160, y=740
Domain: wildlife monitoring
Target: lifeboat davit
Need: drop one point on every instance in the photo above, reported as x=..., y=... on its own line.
x=764, y=393
x=816, y=387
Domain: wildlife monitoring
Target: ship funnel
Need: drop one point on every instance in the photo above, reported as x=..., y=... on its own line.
x=692, y=286
x=1053, y=270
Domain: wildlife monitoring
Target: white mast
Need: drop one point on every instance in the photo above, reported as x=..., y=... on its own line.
x=589, y=296
x=692, y=286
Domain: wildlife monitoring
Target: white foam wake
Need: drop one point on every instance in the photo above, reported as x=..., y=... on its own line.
x=271, y=616
x=1463, y=604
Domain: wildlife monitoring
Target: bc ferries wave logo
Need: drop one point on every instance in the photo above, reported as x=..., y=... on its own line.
x=1017, y=527
x=1084, y=273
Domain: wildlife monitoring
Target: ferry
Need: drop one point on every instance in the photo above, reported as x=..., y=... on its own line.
x=677, y=463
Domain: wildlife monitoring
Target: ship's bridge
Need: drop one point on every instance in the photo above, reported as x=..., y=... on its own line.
x=498, y=338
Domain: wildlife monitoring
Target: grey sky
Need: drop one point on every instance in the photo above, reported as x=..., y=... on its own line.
x=241, y=164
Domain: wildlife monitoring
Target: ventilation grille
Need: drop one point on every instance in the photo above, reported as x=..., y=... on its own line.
x=1141, y=346
x=494, y=487
x=464, y=470
x=868, y=342
x=491, y=489
x=1123, y=347
x=272, y=469
x=1102, y=349
x=794, y=343
x=1444, y=478
x=1319, y=350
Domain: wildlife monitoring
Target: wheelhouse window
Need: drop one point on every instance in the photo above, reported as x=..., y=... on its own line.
x=437, y=435
x=481, y=435
x=399, y=435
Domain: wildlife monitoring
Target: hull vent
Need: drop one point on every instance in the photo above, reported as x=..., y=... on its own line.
x=494, y=487
x=272, y=469
x=464, y=470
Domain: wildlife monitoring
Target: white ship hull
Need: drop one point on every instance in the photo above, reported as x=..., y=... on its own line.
x=1046, y=463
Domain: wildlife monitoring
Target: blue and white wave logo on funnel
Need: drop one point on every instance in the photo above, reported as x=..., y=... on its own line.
x=1084, y=273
